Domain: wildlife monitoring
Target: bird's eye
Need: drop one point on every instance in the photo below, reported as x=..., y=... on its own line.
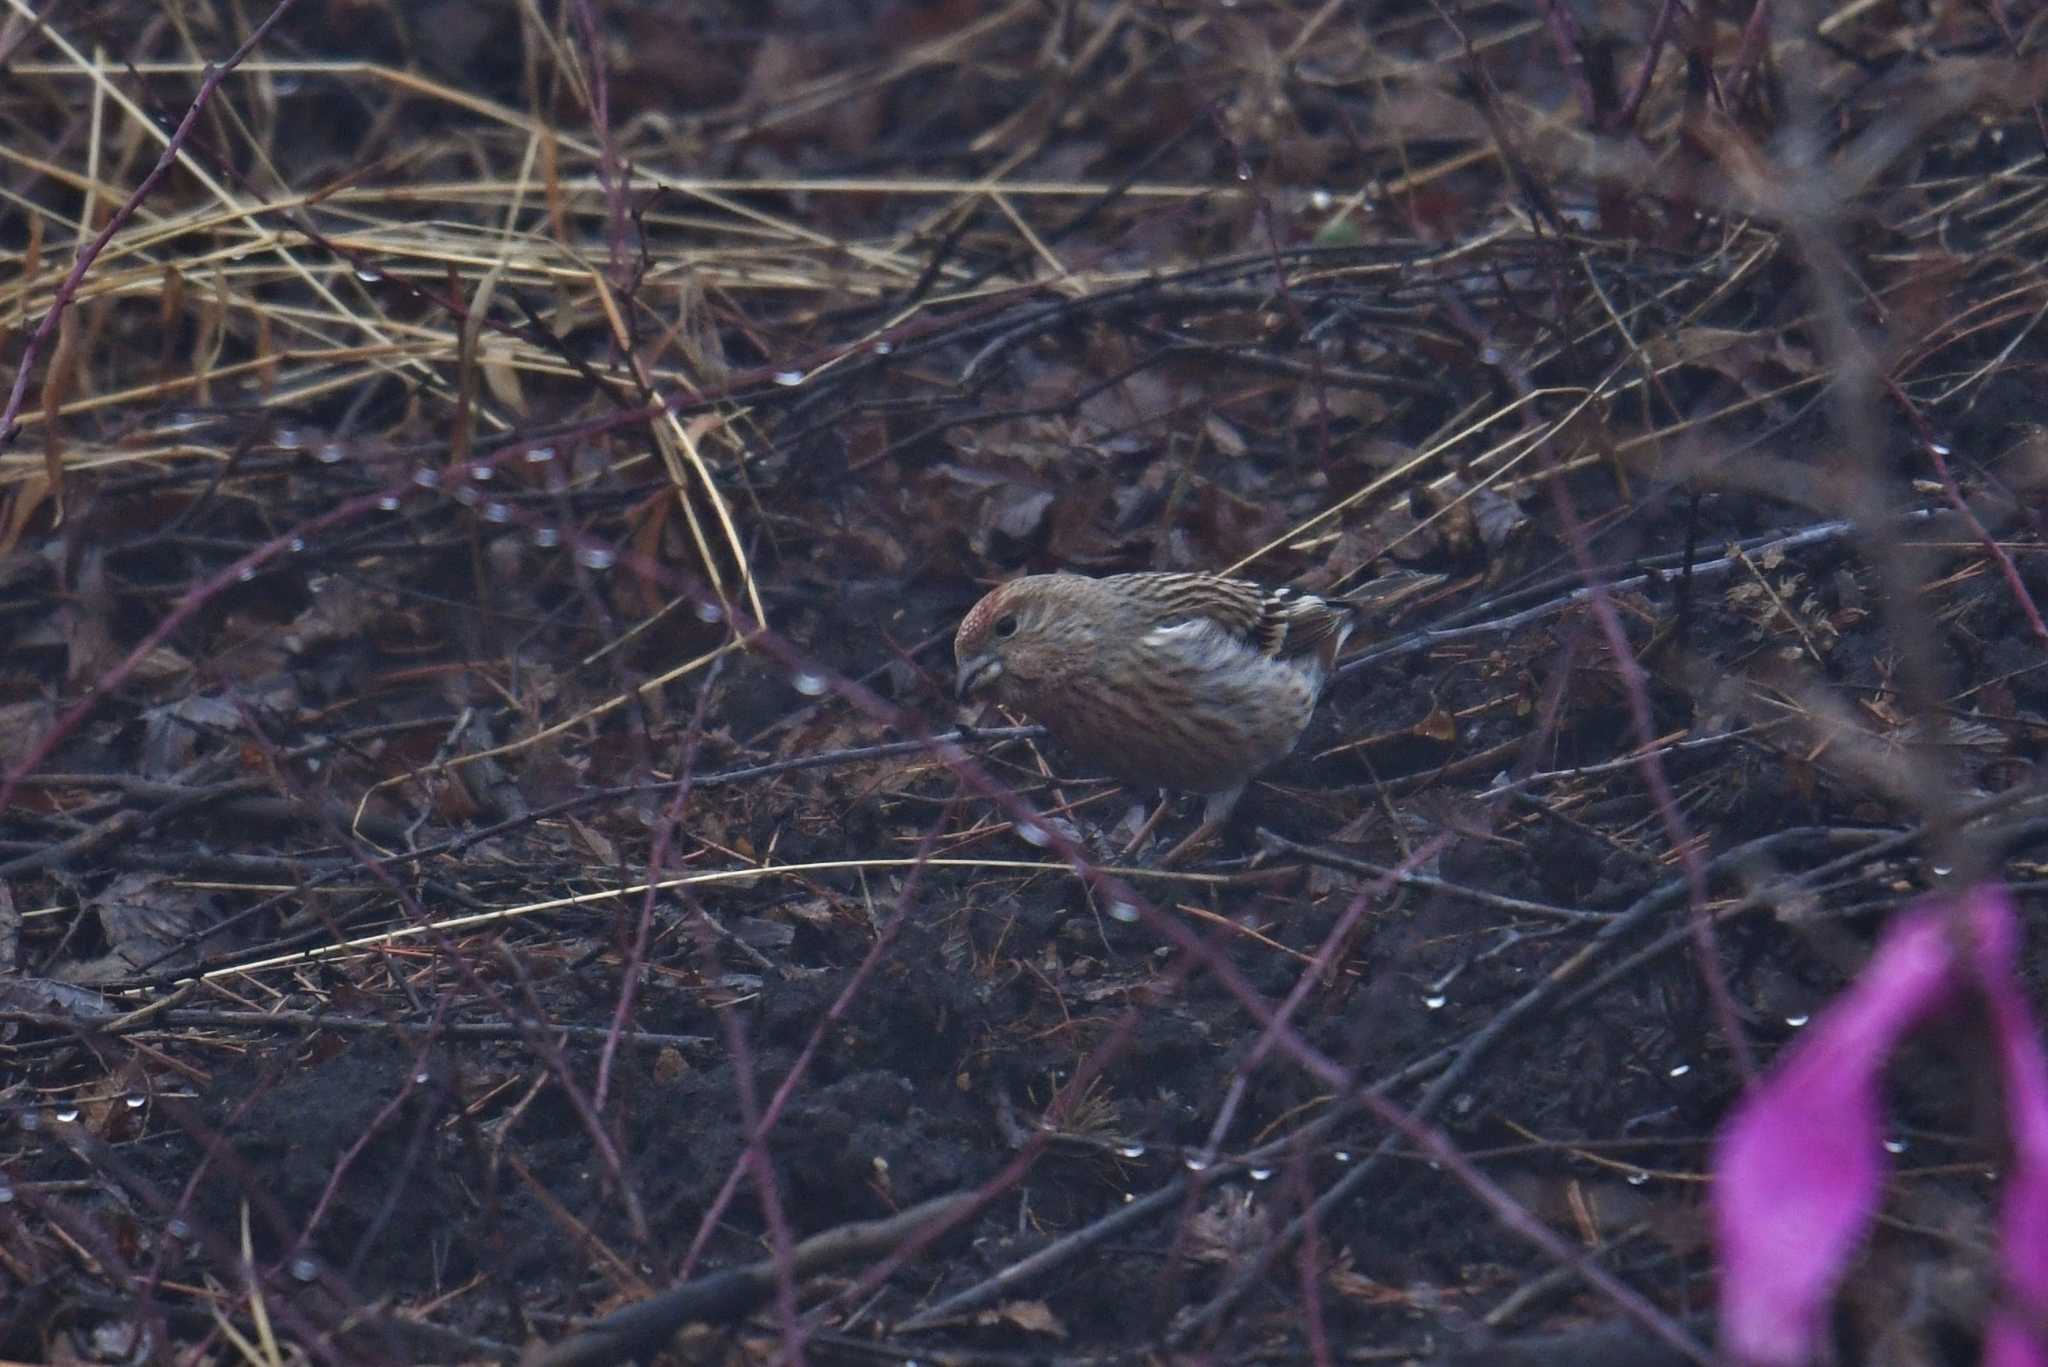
x=1006, y=627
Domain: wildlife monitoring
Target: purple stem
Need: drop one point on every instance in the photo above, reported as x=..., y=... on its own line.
x=208, y=83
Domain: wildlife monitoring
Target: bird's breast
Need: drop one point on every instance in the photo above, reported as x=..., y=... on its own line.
x=1182, y=707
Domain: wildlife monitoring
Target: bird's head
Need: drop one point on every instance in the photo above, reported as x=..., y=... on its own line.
x=1019, y=635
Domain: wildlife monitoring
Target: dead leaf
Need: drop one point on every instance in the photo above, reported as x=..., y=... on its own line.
x=1227, y=439
x=501, y=377
x=148, y=921
x=85, y=618
x=22, y=727
x=1439, y=725
x=1033, y=1317
x=171, y=733
x=596, y=845
x=22, y=501
x=343, y=610
x=1225, y=1230
x=49, y=996
x=161, y=665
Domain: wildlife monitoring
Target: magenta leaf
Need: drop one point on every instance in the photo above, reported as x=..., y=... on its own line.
x=2018, y=1334
x=1799, y=1164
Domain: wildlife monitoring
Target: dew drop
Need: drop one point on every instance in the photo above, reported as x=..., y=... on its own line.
x=495, y=511
x=1342, y=1155
x=596, y=557
x=1120, y=910
x=66, y=1115
x=540, y=455
x=369, y=275
x=1031, y=833
x=297, y=545
x=1796, y=1021
x=884, y=348
x=1196, y=1162
x=134, y=1101
x=427, y=477
x=6, y=1193
x=305, y=1269
x=288, y=439
x=1244, y=170
x=809, y=684
x=247, y=575
x=186, y=422
x=789, y=379
x=178, y=1228
x=1680, y=1070
x=1320, y=199
x=483, y=473
x=331, y=453
x=422, y=1078
x=708, y=611
x=1894, y=1146
x=1435, y=1001
x=1259, y=1174
x=388, y=503
x=1636, y=1179
x=1939, y=448
x=1941, y=870
x=545, y=537
x=1130, y=1151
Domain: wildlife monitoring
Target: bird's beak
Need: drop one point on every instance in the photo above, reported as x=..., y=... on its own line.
x=977, y=675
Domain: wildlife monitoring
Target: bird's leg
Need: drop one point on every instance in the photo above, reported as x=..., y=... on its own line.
x=1213, y=816
x=1137, y=841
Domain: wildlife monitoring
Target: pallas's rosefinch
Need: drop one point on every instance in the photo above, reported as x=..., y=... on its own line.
x=1190, y=682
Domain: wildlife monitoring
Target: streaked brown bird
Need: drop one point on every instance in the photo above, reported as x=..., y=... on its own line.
x=1191, y=682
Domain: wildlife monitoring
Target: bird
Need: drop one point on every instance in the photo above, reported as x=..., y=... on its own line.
x=1188, y=682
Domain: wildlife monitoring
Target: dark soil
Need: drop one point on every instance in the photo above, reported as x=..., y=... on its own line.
x=386, y=608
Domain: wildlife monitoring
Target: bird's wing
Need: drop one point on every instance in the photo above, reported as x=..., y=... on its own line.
x=1275, y=622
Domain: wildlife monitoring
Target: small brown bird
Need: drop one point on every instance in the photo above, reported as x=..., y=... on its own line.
x=1190, y=682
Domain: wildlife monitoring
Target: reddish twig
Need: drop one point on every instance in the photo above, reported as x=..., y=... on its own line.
x=760, y=1125
x=1660, y=33
x=1937, y=455
x=1325, y=959
x=209, y=82
x=1650, y=763
x=608, y=168
x=1570, y=41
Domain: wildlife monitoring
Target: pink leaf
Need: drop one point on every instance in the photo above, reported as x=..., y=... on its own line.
x=2018, y=1334
x=1798, y=1167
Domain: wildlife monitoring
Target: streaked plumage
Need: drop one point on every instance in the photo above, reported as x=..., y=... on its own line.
x=1190, y=682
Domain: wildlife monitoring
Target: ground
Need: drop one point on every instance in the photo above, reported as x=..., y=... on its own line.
x=480, y=544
